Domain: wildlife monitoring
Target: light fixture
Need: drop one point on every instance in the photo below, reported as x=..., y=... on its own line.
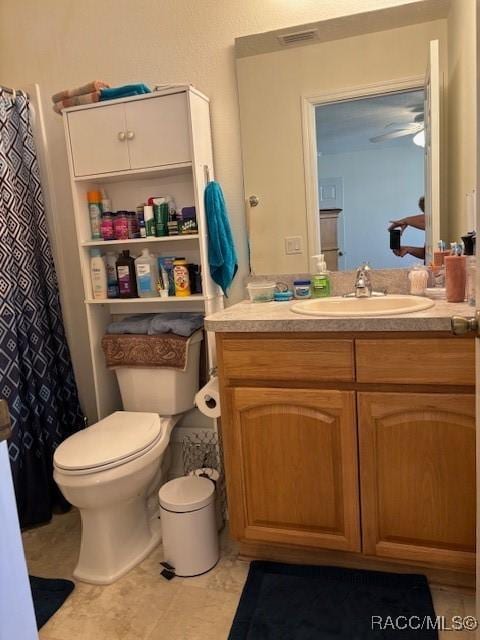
x=419, y=138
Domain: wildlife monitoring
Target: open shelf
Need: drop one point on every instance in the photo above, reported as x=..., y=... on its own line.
x=108, y=243
x=196, y=297
x=150, y=172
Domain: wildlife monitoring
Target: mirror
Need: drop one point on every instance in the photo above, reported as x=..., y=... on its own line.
x=340, y=138
x=370, y=178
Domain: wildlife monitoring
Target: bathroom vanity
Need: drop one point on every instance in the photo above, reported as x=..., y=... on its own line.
x=350, y=440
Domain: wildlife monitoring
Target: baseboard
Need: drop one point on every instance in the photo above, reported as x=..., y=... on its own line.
x=296, y=555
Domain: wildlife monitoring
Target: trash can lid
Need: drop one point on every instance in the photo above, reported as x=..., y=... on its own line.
x=189, y=493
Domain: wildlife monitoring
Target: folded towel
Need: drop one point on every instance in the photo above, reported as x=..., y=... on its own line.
x=221, y=250
x=131, y=324
x=146, y=351
x=90, y=87
x=74, y=101
x=179, y=323
x=126, y=91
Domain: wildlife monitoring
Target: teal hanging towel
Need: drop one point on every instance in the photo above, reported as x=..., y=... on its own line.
x=222, y=257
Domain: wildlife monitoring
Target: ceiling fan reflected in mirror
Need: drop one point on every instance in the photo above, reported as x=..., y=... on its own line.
x=415, y=128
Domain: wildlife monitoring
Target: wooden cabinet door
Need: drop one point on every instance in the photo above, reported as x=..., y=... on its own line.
x=417, y=477
x=158, y=131
x=98, y=140
x=291, y=459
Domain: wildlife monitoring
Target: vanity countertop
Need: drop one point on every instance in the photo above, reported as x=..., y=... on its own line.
x=277, y=316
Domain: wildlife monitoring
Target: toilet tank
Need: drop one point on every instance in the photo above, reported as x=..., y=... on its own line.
x=159, y=389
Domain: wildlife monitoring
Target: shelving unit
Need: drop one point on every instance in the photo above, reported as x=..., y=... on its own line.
x=143, y=241
x=151, y=145
x=196, y=297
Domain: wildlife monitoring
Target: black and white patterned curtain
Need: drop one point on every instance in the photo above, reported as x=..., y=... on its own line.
x=36, y=375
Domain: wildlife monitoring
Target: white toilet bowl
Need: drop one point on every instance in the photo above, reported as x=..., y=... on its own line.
x=113, y=470
x=109, y=471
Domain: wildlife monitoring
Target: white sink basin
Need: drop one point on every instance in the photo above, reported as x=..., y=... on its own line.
x=374, y=306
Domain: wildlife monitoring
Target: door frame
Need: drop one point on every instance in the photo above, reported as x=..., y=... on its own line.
x=308, y=104
x=477, y=342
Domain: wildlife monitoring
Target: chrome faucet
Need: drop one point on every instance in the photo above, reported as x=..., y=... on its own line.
x=363, y=284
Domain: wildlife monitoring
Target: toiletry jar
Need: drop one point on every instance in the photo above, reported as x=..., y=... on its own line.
x=261, y=291
x=301, y=289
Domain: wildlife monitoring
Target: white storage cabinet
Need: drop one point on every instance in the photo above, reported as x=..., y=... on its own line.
x=154, y=144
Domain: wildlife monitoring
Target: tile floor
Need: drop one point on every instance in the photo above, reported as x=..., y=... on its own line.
x=144, y=606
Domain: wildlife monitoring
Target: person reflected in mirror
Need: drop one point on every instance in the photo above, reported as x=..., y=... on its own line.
x=416, y=221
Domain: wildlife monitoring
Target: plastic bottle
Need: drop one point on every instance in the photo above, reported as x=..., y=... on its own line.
x=142, y=232
x=320, y=279
x=98, y=275
x=160, y=212
x=106, y=202
x=120, y=225
x=95, y=212
x=107, y=228
x=132, y=225
x=127, y=283
x=469, y=242
x=149, y=220
x=181, y=278
x=146, y=269
x=471, y=286
x=112, y=280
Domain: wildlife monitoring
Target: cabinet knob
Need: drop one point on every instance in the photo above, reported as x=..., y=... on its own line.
x=462, y=325
x=254, y=201
x=122, y=136
x=130, y=135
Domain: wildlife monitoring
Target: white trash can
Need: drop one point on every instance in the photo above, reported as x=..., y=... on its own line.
x=189, y=530
x=214, y=476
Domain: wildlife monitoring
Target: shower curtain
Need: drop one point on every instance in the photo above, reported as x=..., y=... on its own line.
x=36, y=375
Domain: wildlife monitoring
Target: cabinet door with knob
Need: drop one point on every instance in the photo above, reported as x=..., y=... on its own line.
x=417, y=477
x=157, y=131
x=98, y=140
x=291, y=456
x=139, y=134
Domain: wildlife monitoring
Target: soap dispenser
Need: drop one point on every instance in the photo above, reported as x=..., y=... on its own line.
x=321, y=278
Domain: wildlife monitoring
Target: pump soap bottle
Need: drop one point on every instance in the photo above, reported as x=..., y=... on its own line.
x=321, y=279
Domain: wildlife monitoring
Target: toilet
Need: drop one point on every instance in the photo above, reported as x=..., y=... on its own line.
x=112, y=471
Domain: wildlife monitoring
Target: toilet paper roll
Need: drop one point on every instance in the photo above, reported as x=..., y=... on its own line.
x=208, y=399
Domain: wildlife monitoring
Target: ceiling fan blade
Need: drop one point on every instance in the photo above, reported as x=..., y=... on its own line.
x=416, y=108
x=399, y=133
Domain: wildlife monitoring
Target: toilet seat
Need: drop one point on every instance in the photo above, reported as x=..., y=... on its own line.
x=117, y=439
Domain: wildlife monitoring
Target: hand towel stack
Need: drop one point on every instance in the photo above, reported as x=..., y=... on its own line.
x=85, y=94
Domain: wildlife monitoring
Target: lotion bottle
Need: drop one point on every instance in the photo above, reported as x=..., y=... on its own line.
x=98, y=274
x=321, y=279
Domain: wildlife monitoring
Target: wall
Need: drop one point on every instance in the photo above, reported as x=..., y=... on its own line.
x=272, y=123
x=379, y=185
x=64, y=43
x=462, y=106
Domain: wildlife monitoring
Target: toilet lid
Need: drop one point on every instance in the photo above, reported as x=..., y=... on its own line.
x=116, y=437
x=188, y=493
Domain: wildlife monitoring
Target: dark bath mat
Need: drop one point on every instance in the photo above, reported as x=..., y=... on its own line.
x=294, y=602
x=48, y=596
